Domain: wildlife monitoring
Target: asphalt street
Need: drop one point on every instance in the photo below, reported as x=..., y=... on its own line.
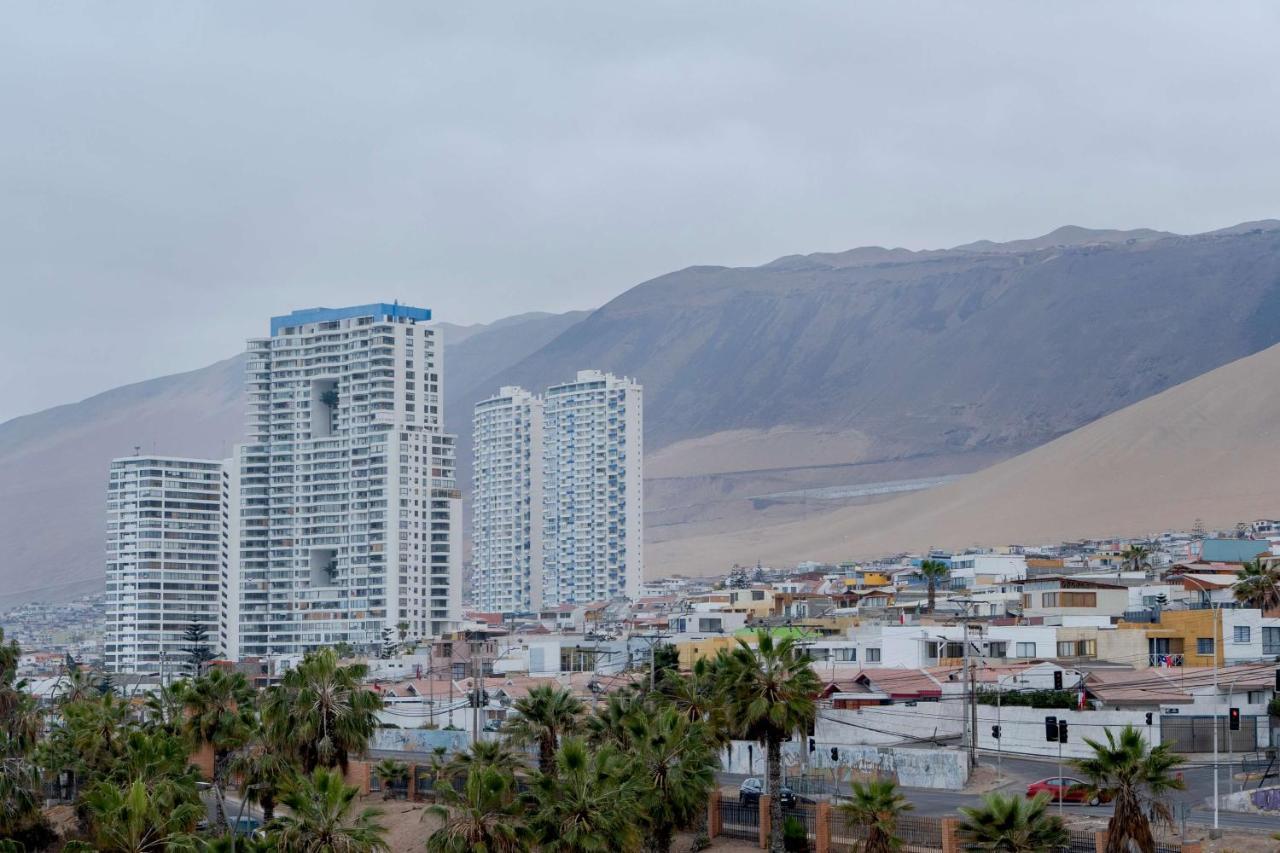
x=1191, y=804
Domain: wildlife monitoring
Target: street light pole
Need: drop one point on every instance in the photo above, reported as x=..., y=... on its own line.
x=1216, y=607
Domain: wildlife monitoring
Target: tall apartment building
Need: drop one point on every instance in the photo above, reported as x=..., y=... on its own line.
x=348, y=515
x=592, y=489
x=167, y=557
x=506, y=502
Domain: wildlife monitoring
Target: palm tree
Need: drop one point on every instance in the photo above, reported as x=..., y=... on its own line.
x=322, y=818
x=876, y=805
x=220, y=716
x=617, y=721
x=1137, y=778
x=21, y=818
x=391, y=774
x=484, y=818
x=132, y=819
x=674, y=767
x=587, y=804
x=770, y=692
x=933, y=572
x=1137, y=557
x=1012, y=824
x=166, y=707
x=544, y=715
x=495, y=754
x=264, y=771
x=322, y=711
x=1258, y=586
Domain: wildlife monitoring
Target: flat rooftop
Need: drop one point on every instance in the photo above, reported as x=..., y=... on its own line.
x=303, y=316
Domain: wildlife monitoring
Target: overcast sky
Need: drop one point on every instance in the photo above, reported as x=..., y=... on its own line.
x=171, y=174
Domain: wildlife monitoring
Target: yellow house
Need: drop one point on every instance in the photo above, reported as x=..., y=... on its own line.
x=706, y=647
x=1182, y=638
x=756, y=603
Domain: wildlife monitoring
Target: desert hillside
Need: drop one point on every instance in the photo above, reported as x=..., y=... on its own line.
x=1205, y=449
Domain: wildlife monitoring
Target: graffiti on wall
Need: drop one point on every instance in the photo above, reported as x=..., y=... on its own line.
x=1267, y=799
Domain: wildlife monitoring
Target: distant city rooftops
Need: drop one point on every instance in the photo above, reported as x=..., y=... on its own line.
x=303, y=316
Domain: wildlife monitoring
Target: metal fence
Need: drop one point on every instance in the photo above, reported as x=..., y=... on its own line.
x=739, y=821
x=917, y=834
x=807, y=815
x=1195, y=734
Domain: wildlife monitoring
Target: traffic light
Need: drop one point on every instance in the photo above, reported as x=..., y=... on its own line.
x=1234, y=716
x=1051, y=729
x=835, y=754
x=1057, y=679
x=1062, y=731
x=995, y=732
x=813, y=744
x=1148, y=718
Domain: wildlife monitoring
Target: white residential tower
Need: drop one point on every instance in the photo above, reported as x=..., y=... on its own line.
x=506, y=502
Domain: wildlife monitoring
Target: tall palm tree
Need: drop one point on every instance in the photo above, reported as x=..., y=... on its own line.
x=1012, y=824
x=264, y=771
x=770, y=693
x=1258, y=586
x=21, y=818
x=220, y=716
x=587, y=804
x=875, y=806
x=617, y=721
x=322, y=818
x=1137, y=779
x=323, y=711
x=485, y=817
x=543, y=716
x=674, y=765
x=166, y=707
x=933, y=572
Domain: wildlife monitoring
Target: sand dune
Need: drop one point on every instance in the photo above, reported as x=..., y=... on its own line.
x=1208, y=448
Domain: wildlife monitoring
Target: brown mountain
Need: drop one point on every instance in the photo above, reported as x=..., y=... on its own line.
x=1203, y=449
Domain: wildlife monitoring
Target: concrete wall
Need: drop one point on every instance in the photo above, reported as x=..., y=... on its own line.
x=889, y=724
x=1022, y=730
x=419, y=740
x=945, y=769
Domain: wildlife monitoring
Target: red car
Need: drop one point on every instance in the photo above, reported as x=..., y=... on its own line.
x=1066, y=789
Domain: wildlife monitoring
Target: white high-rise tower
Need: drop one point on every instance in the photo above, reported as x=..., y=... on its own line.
x=166, y=556
x=506, y=503
x=348, y=514
x=593, y=489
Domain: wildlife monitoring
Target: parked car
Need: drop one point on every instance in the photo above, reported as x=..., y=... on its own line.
x=752, y=787
x=1067, y=789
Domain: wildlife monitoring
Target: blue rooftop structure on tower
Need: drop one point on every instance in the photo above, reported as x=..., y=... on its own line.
x=323, y=315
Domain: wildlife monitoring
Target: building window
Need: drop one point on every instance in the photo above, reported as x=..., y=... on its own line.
x=1271, y=641
x=1078, y=649
x=1204, y=645
x=1241, y=634
x=1026, y=650
x=1069, y=599
x=873, y=656
x=997, y=650
x=847, y=654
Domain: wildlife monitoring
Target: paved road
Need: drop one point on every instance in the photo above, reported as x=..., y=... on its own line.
x=1018, y=772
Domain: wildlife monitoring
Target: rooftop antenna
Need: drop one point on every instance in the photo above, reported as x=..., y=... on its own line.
x=137, y=450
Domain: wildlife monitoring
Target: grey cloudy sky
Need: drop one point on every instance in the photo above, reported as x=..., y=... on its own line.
x=172, y=173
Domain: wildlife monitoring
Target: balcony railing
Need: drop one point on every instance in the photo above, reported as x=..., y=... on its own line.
x=1168, y=659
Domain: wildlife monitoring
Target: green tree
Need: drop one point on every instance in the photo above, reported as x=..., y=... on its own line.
x=587, y=804
x=495, y=754
x=1137, y=779
x=1012, y=824
x=674, y=765
x=322, y=712
x=195, y=639
x=264, y=771
x=167, y=706
x=1258, y=586
x=543, y=716
x=1137, y=557
x=21, y=818
x=322, y=818
x=133, y=819
x=874, y=807
x=615, y=721
x=485, y=817
x=391, y=773
x=770, y=692
x=934, y=572
x=220, y=716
